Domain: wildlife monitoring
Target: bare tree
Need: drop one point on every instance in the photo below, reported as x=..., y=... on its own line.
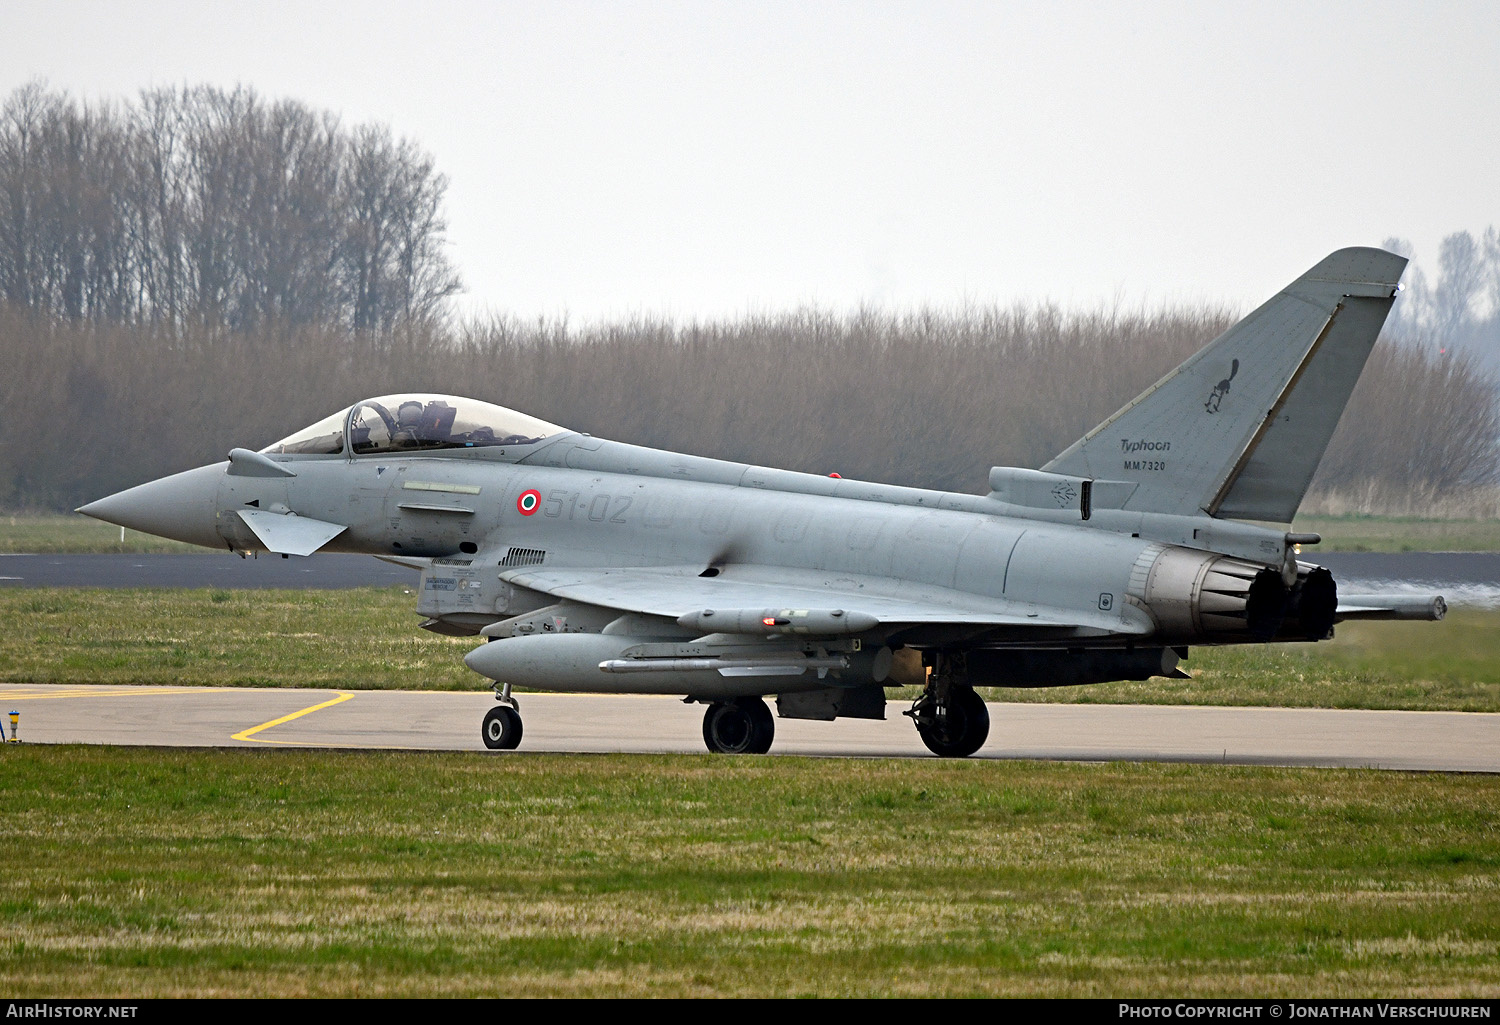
x=23, y=120
x=1462, y=277
x=203, y=206
x=391, y=254
x=1492, y=277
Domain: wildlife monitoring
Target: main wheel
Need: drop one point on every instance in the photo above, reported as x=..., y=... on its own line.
x=763, y=725
x=960, y=732
x=502, y=728
x=743, y=727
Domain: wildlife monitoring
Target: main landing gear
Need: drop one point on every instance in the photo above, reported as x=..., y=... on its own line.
x=502, y=724
x=951, y=719
x=742, y=726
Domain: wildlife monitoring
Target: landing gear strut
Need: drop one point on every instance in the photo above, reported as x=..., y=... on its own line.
x=743, y=726
x=502, y=724
x=951, y=719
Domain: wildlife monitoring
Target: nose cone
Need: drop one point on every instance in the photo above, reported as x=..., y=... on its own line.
x=483, y=661
x=182, y=507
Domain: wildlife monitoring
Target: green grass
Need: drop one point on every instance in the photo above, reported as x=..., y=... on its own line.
x=144, y=873
x=1400, y=534
x=368, y=638
x=362, y=638
x=71, y=533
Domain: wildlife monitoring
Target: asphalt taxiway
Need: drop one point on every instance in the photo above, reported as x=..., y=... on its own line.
x=446, y=721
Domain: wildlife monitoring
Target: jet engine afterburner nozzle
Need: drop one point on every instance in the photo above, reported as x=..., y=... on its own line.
x=1314, y=602
x=1197, y=595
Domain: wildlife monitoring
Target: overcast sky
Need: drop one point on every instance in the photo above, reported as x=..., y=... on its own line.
x=709, y=158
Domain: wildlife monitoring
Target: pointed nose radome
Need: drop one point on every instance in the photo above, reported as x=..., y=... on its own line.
x=181, y=507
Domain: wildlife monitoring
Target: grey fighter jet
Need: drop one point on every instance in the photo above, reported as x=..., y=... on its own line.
x=593, y=565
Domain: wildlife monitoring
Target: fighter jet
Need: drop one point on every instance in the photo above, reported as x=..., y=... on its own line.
x=599, y=566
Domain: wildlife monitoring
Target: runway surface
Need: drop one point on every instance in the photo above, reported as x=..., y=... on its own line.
x=245, y=717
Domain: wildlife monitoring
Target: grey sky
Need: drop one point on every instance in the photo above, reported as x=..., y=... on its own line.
x=712, y=158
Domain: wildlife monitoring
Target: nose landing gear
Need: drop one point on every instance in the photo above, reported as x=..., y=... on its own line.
x=502, y=724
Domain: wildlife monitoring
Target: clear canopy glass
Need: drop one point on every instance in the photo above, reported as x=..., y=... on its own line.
x=326, y=437
x=416, y=422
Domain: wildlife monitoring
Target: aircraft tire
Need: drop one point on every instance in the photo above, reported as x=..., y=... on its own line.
x=966, y=728
x=743, y=727
x=764, y=725
x=502, y=728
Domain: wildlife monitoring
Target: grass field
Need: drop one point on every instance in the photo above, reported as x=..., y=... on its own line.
x=1400, y=534
x=368, y=638
x=134, y=872
x=71, y=533
x=47, y=533
x=363, y=638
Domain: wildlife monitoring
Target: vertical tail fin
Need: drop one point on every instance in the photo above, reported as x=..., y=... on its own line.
x=1238, y=430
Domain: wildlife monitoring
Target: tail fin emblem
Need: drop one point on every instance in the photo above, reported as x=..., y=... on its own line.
x=1222, y=388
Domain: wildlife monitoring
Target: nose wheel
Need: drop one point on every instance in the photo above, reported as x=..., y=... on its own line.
x=502, y=724
x=502, y=728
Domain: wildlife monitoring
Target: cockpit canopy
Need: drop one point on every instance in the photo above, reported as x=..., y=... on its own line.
x=411, y=423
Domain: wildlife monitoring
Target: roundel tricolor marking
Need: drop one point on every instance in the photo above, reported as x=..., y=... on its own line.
x=527, y=503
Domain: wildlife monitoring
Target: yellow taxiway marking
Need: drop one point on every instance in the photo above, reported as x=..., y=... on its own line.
x=249, y=734
x=101, y=692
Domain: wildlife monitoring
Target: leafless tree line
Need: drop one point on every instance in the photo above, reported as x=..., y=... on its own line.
x=201, y=208
x=1459, y=307
x=926, y=398
x=1421, y=431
